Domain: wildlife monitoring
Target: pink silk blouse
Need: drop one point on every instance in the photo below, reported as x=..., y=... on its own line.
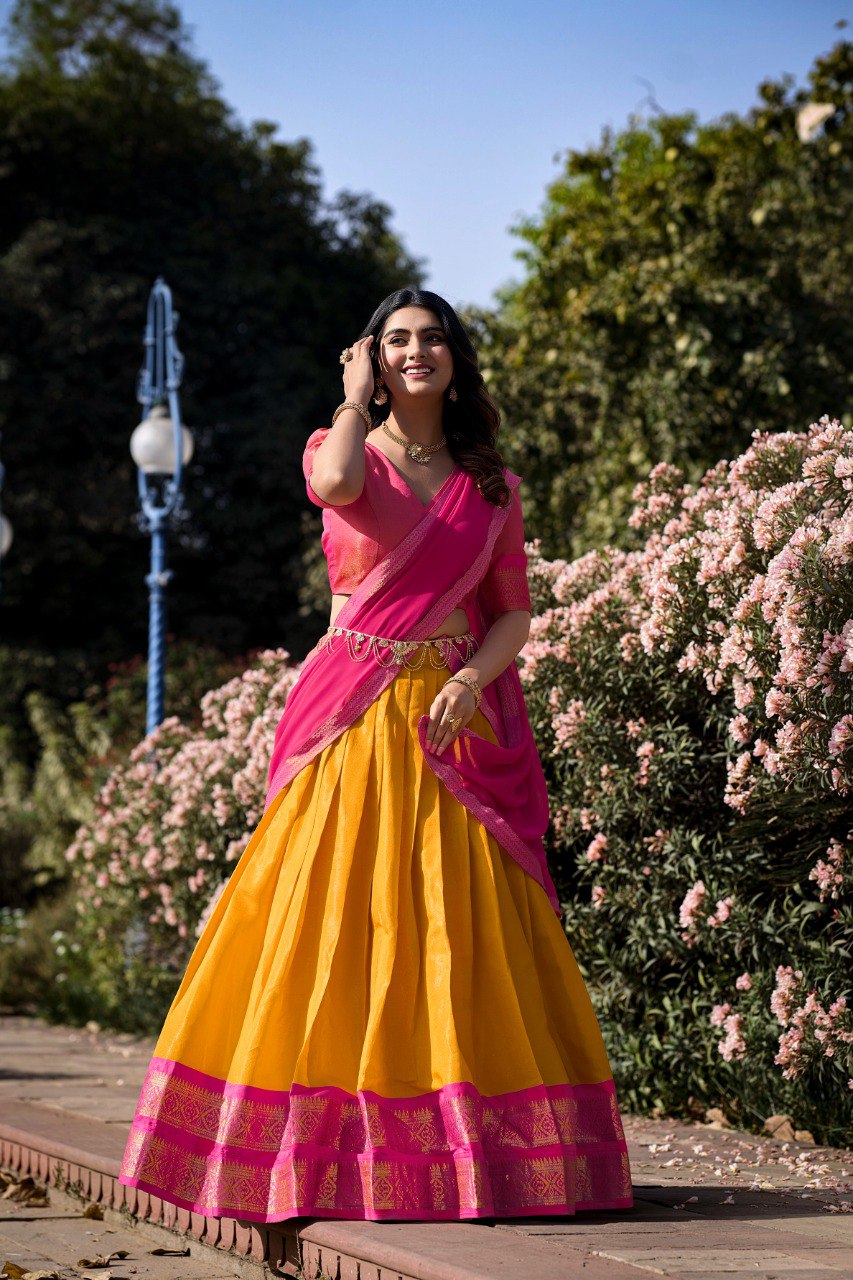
x=358, y=534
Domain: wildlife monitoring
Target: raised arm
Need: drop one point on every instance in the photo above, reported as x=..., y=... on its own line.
x=333, y=461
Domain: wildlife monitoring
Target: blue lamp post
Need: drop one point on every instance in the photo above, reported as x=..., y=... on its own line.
x=160, y=447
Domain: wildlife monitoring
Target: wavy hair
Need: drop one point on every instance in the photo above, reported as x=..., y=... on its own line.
x=470, y=423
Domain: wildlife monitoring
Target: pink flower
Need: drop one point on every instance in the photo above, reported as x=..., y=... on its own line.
x=811, y=1027
x=777, y=703
x=690, y=912
x=722, y=913
x=829, y=874
x=788, y=982
x=740, y=728
x=645, y=752
x=741, y=782
x=692, y=904
x=596, y=848
x=588, y=819
x=744, y=694
x=567, y=725
x=733, y=1045
x=841, y=736
x=657, y=842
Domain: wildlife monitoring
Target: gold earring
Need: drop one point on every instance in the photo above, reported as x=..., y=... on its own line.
x=380, y=395
x=452, y=395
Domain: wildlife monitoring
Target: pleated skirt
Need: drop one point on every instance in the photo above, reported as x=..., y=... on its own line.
x=383, y=1017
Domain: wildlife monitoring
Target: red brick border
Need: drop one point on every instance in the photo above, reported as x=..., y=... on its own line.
x=282, y=1250
x=96, y=1179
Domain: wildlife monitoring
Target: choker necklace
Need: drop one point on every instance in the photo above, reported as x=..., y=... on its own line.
x=417, y=452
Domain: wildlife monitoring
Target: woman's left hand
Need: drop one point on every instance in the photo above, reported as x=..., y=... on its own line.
x=456, y=700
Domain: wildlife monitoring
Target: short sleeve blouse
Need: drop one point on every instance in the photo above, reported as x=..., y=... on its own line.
x=356, y=535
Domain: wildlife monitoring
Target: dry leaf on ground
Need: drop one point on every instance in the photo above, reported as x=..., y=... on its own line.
x=103, y=1260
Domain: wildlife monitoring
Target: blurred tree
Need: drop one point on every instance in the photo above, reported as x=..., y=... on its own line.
x=120, y=161
x=685, y=284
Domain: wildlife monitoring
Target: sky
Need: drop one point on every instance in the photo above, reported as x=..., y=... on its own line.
x=456, y=115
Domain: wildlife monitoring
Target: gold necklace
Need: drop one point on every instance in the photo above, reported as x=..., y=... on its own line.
x=417, y=452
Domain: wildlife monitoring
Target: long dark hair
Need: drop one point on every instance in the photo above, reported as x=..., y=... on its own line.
x=471, y=422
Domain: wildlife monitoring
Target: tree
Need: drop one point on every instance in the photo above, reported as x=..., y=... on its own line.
x=686, y=284
x=119, y=161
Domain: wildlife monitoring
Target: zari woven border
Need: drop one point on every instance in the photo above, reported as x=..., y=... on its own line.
x=228, y=1150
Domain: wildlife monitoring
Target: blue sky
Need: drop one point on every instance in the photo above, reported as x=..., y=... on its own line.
x=452, y=113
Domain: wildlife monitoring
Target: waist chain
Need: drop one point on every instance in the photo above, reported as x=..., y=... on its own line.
x=360, y=645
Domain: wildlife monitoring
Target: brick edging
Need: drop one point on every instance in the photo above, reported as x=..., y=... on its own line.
x=307, y=1246
x=95, y=1178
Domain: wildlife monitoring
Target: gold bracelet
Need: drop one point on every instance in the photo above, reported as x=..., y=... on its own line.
x=472, y=685
x=352, y=404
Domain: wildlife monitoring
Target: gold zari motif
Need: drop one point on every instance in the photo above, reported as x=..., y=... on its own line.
x=360, y=644
x=451, y=1153
x=507, y=588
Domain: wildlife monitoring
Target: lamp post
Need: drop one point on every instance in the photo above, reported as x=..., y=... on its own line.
x=5, y=527
x=160, y=446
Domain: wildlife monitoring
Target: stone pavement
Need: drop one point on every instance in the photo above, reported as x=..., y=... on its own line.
x=58, y=1239
x=709, y=1202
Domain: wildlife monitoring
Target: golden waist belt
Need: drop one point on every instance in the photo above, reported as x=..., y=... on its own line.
x=360, y=644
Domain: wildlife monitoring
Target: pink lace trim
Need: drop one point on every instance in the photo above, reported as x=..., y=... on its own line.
x=229, y=1150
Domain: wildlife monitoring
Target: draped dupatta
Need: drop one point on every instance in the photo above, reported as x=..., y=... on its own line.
x=406, y=596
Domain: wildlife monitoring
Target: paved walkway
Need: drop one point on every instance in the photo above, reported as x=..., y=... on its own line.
x=710, y=1202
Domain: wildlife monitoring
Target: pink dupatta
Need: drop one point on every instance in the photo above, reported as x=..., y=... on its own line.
x=406, y=596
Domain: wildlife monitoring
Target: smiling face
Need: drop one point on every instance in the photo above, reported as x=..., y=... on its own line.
x=414, y=355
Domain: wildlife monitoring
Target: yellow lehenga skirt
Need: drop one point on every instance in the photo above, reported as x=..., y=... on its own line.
x=383, y=1017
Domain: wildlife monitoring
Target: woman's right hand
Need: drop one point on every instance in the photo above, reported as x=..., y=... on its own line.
x=359, y=383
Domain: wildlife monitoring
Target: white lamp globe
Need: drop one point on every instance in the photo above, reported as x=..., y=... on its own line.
x=152, y=444
x=5, y=535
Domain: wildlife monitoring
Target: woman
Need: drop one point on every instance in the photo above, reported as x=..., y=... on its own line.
x=383, y=1017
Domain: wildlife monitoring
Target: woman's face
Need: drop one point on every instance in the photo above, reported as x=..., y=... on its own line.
x=414, y=356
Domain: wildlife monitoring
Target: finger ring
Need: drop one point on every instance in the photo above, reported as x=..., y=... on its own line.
x=346, y=354
x=454, y=722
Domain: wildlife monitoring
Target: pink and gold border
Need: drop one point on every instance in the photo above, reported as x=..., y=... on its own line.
x=228, y=1150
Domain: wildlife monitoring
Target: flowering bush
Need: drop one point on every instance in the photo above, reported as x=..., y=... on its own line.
x=170, y=824
x=691, y=699
x=692, y=702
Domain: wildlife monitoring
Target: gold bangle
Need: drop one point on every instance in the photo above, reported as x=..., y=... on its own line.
x=352, y=404
x=471, y=684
